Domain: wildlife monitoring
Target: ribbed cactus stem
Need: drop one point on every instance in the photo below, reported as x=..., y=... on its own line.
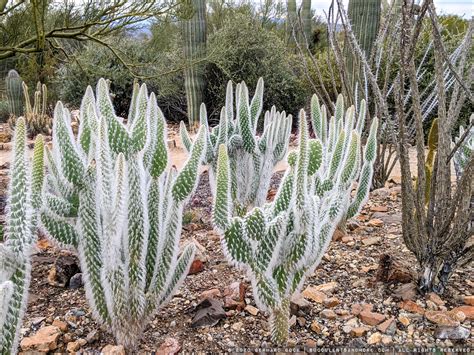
x=306, y=22
x=14, y=93
x=279, y=322
x=364, y=16
x=194, y=36
x=291, y=23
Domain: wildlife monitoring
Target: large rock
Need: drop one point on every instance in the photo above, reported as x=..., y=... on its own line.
x=411, y=307
x=45, y=340
x=299, y=303
x=467, y=310
x=448, y=319
x=208, y=313
x=113, y=350
x=234, y=295
x=455, y=333
x=314, y=295
x=371, y=318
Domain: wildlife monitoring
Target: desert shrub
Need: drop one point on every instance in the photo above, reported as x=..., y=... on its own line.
x=244, y=50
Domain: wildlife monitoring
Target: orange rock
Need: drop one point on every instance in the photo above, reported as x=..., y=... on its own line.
x=359, y=331
x=60, y=324
x=448, y=319
x=467, y=310
x=328, y=314
x=411, y=307
x=379, y=209
x=314, y=295
x=331, y=302
x=359, y=307
x=433, y=297
x=169, y=347
x=196, y=266
x=113, y=350
x=327, y=287
x=212, y=293
x=388, y=326
x=375, y=222
x=469, y=300
x=371, y=318
x=45, y=340
x=338, y=235
x=316, y=327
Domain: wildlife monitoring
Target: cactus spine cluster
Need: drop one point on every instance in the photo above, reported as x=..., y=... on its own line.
x=194, y=35
x=37, y=121
x=24, y=200
x=465, y=150
x=14, y=93
x=251, y=157
x=280, y=243
x=110, y=197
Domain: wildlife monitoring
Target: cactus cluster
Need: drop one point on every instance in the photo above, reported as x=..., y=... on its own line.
x=14, y=93
x=37, y=121
x=281, y=242
x=110, y=197
x=251, y=157
x=20, y=234
x=465, y=151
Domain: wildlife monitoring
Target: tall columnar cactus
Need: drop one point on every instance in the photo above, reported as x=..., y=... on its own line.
x=23, y=201
x=37, y=121
x=110, y=197
x=291, y=23
x=14, y=93
x=283, y=241
x=306, y=21
x=466, y=149
x=329, y=134
x=194, y=38
x=252, y=157
x=364, y=16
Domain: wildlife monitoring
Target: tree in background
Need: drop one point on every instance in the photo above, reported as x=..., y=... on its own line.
x=194, y=42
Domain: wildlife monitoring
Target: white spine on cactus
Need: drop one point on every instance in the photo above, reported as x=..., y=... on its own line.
x=125, y=210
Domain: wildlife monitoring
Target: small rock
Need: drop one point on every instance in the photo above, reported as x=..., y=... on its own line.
x=411, y=307
x=76, y=281
x=392, y=269
x=375, y=222
x=234, y=295
x=74, y=346
x=37, y=321
x=338, y=235
x=92, y=337
x=388, y=218
x=327, y=287
x=314, y=295
x=310, y=343
x=292, y=321
x=328, y=314
x=406, y=291
x=208, y=313
x=374, y=338
x=196, y=267
x=366, y=269
x=371, y=241
x=467, y=310
x=212, y=293
x=347, y=239
x=316, y=327
x=371, y=318
x=169, y=347
x=113, y=350
x=455, y=333
x=251, y=309
x=359, y=331
x=386, y=340
x=60, y=324
x=331, y=302
x=301, y=321
x=469, y=300
x=379, y=209
x=433, y=297
x=298, y=302
x=45, y=339
x=388, y=327
x=404, y=320
x=359, y=307
x=442, y=318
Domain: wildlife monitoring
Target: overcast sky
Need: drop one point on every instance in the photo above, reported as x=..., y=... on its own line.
x=463, y=8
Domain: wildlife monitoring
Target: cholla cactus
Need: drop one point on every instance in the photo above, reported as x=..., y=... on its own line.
x=23, y=201
x=110, y=199
x=465, y=151
x=251, y=157
x=332, y=137
x=283, y=241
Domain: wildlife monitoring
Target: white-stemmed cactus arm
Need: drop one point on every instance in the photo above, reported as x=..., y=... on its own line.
x=24, y=197
x=111, y=198
x=282, y=242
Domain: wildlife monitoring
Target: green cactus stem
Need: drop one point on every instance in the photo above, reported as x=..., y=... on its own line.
x=14, y=93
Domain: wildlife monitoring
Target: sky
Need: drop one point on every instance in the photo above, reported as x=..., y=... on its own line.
x=464, y=8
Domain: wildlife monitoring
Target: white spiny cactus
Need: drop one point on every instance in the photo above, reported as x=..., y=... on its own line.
x=252, y=158
x=283, y=241
x=332, y=135
x=466, y=149
x=110, y=198
x=23, y=200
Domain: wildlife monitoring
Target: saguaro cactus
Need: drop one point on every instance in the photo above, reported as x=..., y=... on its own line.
x=364, y=16
x=194, y=36
x=280, y=243
x=23, y=201
x=110, y=198
x=14, y=93
x=306, y=21
x=252, y=157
